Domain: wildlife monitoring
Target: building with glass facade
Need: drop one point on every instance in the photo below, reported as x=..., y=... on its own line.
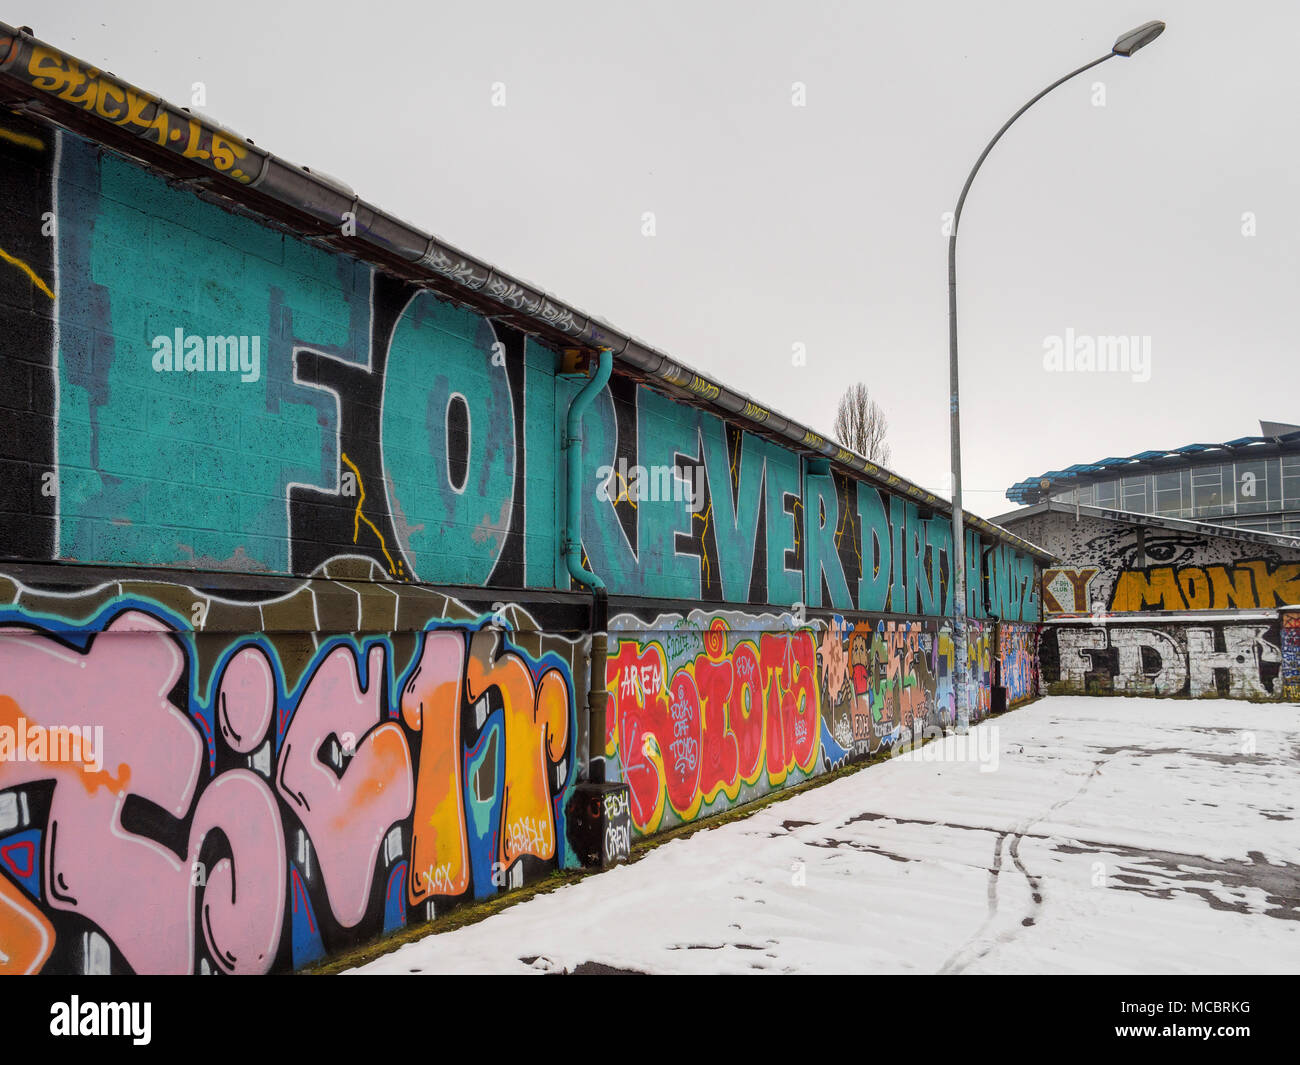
x=1249, y=483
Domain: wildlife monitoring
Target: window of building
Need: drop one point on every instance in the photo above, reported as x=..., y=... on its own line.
x=1136, y=494
x=1207, y=491
x=1290, y=469
x=1169, y=494
x=1106, y=496
x=1251, y=487
x=1229, y=489
x=1273, y=484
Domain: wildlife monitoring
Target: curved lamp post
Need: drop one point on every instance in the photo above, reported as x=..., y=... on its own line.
x=1125, y=45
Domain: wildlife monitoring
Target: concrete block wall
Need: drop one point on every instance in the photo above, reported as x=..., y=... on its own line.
x=307, y=613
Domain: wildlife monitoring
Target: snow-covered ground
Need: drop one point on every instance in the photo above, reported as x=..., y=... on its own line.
x=1113, y=836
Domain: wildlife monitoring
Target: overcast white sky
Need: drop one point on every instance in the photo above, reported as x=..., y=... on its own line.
x=820, y=224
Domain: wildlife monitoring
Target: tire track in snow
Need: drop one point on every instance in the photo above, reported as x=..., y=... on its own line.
x=979, y=945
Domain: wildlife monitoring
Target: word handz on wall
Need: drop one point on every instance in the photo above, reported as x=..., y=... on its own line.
x=256, y=808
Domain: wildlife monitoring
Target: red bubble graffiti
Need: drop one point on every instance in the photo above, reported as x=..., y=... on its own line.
x=716, y=724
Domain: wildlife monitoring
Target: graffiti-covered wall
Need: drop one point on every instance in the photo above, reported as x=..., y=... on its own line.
x=1113, y=566
x=289, y=655
x=1223, y=659
x=710, y=710
x=1291, y=655
x=192, y=783
x=1018, y=661
x=194, y=389
x=1117, y=567
x=981, y=652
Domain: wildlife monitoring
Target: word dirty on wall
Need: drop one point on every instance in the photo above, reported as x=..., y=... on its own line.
x=258, y=806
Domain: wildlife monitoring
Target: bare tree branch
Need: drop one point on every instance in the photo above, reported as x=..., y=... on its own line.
x=860, y=424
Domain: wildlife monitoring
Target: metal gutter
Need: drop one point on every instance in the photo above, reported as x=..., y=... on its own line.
x=82, y=97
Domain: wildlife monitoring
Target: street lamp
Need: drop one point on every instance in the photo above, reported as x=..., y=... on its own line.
x=1125, y=45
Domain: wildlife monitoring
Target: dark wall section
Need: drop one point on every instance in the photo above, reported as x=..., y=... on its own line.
x=28, y=400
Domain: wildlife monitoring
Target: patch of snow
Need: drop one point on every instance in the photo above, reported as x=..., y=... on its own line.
x=1114, y=835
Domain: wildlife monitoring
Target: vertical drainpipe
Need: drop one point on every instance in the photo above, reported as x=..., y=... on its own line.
x=597, y=696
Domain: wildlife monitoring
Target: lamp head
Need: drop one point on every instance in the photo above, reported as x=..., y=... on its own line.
x=1128, y=43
